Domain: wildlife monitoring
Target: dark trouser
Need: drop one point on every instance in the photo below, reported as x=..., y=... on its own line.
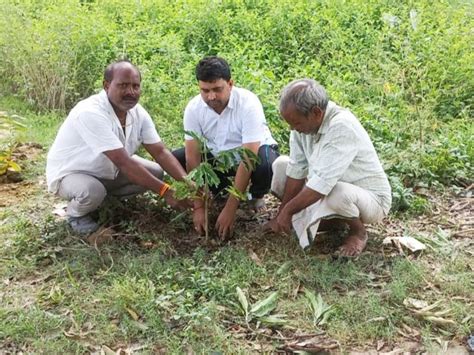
x=261, y=177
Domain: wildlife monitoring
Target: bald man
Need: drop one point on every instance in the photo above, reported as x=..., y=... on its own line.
x=93, y=153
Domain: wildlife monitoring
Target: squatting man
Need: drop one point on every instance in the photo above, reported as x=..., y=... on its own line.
x=333, y=175
x=227, y=117
x=93, y=153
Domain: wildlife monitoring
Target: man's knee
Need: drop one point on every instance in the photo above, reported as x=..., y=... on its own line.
x=85, y=193
x=153, y=167
x=340, y=195
x=156, y=171
x=92, y=195
x=352, y=201
x=180, y=155
x=279, y=175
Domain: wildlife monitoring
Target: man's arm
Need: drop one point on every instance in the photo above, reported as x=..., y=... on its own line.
x=167, y=161
x=226, y=219
x=139, y=175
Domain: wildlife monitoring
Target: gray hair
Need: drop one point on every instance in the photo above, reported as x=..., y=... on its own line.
x=304, y=94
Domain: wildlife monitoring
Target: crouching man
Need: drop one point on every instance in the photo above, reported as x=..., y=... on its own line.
x=93, y=153
x=332, y=176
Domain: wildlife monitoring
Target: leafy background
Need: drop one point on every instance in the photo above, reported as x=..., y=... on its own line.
x=404, y=68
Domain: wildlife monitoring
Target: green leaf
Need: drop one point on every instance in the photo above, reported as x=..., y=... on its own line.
x=242, y=196
x=13, y=166
x=283, y=268
x=321, y=311
x=203, y=148
x=243, y=300
x=276, y=319
x=209, y=174
x=264, y=307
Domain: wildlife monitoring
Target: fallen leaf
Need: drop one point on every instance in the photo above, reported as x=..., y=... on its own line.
x=408, y=242
x=380, y=345
x=101, y=236
x=132, y=313
x=140, y=325
x=255, y=257
x=107, y=351
x=413, y=302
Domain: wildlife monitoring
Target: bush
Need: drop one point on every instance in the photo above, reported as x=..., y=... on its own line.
x=403, y=68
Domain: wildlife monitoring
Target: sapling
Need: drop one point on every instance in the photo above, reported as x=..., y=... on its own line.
x=204, y=176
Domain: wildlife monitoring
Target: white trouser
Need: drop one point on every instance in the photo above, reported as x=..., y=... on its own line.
x=344, y=201
x=86, y=192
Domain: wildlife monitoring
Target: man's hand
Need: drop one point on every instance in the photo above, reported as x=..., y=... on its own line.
x=199, y=220
x=225, y=222
x=283, y=222
x=279, y=224
x=271, y=225
x=175, y=203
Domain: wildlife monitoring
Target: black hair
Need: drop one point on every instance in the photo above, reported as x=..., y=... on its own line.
x=212, y=68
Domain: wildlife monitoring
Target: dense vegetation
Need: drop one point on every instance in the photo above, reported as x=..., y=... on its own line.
x=403, y=67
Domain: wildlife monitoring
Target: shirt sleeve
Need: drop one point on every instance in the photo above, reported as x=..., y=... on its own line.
x=97, y=132
x=335, y=156
x=191, y=121
x=148, y=133
x=253, y=121
x=298, y=166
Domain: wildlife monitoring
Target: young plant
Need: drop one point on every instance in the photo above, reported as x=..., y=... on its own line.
x=319, y=309
x=204, y=176
x=260, y=311
x=10, y=125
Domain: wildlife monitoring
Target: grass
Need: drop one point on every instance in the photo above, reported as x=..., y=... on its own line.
x=156, y=288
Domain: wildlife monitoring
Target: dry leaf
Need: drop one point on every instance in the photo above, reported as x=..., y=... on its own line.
x=107, y=351
x=413, y=302
x=101, y=236
x=408, y=242
x=380, y=345
x=255, y=257
x=133, y=314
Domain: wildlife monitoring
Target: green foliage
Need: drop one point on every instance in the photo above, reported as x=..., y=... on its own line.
x=404, y=199
x=204, y=176
x=10, y=127
x=260, y=311
x=319, y=309
x=405, y=69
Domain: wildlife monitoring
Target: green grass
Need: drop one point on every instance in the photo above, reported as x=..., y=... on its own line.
x=60, y=295
x=156, y=286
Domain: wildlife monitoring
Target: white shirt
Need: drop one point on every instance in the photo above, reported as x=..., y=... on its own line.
x=91, y=128
x=241, y=122
x=341, y=150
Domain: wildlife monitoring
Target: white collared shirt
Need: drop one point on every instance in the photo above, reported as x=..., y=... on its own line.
x=241, y=122
x=91, y=128
x=341, y=150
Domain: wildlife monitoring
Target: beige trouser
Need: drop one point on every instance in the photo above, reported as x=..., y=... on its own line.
x=344, y=201
x=86, y=192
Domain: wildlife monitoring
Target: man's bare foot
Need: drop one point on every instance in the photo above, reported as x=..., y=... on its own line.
x=353, y=245
x=257, y=204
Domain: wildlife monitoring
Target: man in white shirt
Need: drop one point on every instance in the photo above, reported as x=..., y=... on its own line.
x=93, y=153
x=227, y=117
x=332, y=176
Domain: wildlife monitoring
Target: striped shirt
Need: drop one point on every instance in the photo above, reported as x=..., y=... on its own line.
x=341, y=150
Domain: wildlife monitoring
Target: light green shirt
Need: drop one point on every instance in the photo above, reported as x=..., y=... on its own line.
x=341, y=150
